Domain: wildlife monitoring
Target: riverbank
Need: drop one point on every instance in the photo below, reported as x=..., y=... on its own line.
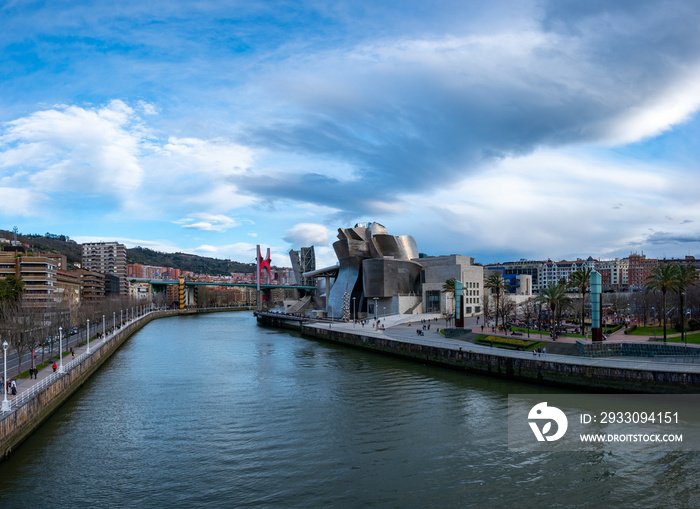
x=599, y=374
x=38, y=398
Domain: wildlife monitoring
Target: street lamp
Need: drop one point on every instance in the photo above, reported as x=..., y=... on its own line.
x=5, y=402
x=331, y=317
x=104, y=329
x=88, y=336
x=375, y=308
x=354, y=313
x=654, y=319
x=114, y=321
x=60, y=349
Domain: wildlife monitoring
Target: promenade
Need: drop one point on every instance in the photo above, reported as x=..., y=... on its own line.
x=403, y=328
x=27, y=388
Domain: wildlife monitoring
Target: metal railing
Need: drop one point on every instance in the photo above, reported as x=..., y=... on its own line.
x=41, y=385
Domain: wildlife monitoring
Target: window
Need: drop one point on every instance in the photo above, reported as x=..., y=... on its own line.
x=432, y=301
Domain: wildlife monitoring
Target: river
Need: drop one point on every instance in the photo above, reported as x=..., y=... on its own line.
x=214, y=411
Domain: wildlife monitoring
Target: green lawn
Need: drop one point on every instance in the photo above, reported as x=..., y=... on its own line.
x=692, y=338
x=509, y=342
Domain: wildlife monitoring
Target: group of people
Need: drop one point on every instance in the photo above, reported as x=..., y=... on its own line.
x=33, y=372
x=11, y=387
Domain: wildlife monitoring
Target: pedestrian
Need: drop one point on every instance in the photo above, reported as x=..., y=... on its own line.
x=13, y=385
x=55, y=367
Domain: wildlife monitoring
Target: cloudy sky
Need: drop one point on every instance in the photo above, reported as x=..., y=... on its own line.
x=500, y=130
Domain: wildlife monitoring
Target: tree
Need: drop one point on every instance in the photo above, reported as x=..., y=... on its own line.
x=662, y=279
x=450, y=287
x=498, y=285
x=529, y=312
x=11, y=289
x=556, y=298
x=580, y=280
x=686, y=276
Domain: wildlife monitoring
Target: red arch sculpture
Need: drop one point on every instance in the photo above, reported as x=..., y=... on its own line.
x=264, y=264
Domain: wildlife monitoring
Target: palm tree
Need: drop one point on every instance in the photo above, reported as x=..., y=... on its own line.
x=554, y=295
x=498, y=285
x=687, y=275
x=450, y=287
x=580, y=280
x=662, y=279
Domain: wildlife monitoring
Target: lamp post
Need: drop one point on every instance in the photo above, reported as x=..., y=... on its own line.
x=654, y=320
x=5, y=402
x=685, y=339
x=375, y=308
x=60, y=349
x=87, y=334
x=114, y=321
x=354, y=313
x=121, y=317
x=331, y=317
x=104, y=329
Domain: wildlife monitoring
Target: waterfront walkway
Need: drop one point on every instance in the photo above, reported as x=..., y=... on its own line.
x=27, y=388
x=397, y=327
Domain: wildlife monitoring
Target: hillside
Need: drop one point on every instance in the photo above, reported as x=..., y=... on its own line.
x=183, y=261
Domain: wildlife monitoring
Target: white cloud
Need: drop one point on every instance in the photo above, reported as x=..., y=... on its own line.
x=20, y=201
x=670, y=106
x=307, y=234
x=69, y=148
x=550, y=204
x=208, y=222
x=239, y=251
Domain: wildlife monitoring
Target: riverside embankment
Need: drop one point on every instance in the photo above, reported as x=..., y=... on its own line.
x=38, y=399
x=600, y=374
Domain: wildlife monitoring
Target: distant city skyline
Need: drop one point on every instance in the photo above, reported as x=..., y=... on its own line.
x=538, y=129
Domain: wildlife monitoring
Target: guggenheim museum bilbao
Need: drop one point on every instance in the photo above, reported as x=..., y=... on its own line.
x=382, y=274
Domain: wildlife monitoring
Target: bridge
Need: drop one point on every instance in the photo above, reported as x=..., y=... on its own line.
x=188, y=289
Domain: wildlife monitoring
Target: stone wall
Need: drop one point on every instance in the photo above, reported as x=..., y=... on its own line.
x=635, y=349
x=538, y=369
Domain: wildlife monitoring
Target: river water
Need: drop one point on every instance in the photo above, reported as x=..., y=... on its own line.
x=214, y=411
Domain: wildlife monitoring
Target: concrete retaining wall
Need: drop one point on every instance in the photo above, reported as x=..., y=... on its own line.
x=535, y=369
x=635, y=349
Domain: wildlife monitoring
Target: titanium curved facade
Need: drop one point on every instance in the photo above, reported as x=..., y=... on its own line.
x=372, y=264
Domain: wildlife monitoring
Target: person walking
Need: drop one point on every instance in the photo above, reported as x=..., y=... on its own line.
x=13, y=386
x=55, y=367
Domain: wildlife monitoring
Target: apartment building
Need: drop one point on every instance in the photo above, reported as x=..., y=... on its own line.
x=92, y=285
x=614, y=274
x=107, y=258
x=37, y=272
x=640, y=268
x=554, y=272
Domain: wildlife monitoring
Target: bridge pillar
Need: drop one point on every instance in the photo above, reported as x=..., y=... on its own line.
x=181, y=286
